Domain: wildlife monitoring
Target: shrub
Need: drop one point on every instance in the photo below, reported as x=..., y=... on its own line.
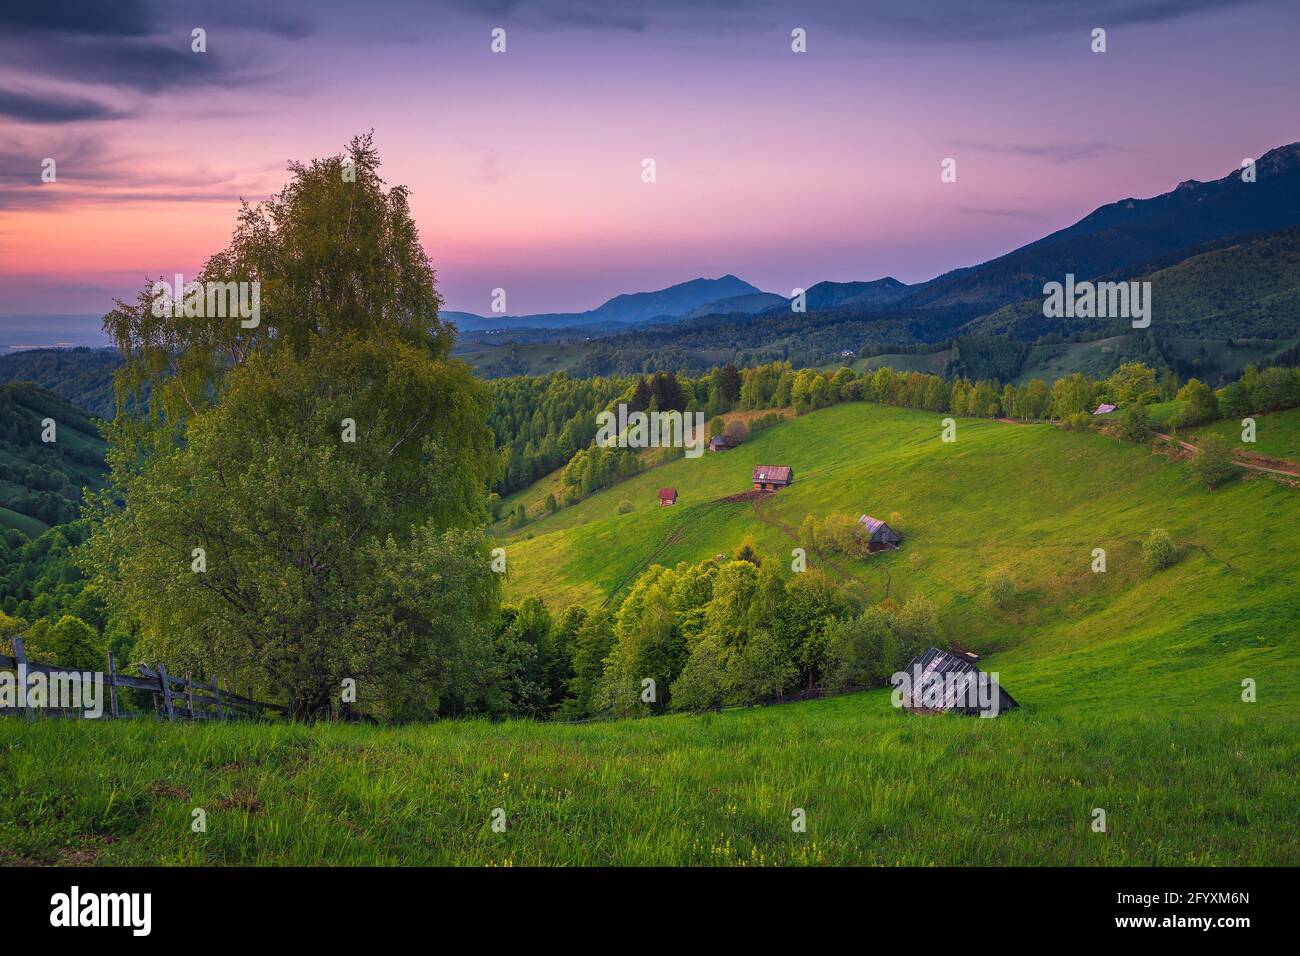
x=747, y=550
x=808, y=532
x=625, y=507
x=552, y=505
x=1135, y=426
x=1158, y=550
x=1078, y=422
x=998, y=588
x=1213, y=462
x=1199, y=403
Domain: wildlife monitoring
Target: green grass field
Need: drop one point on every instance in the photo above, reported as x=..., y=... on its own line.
x=932, y=362
x=1050, y=362
x=1130, y=685
x=1277, y=434
x=877, y=787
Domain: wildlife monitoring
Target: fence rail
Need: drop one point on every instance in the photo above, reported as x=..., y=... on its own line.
x=174, y=697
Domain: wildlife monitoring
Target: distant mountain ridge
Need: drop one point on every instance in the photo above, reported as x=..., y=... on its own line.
x=629, y=308
x=1128, y=232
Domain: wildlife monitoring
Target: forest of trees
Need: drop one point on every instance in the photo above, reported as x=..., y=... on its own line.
x=694, y=637
x=44, y=479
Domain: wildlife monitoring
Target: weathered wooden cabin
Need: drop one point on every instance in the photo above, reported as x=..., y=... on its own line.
x=880, y=536
x=939, y=682
x=667, y=496
x=718, y=443
x=772, y=477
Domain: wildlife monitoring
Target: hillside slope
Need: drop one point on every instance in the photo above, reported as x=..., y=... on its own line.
x=1249, y=288
x=1129, y=685
x=1128, y=232
x=1031, y=498
x=41, y=482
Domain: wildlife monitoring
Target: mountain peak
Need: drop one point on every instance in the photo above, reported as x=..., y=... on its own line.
x=1280, y=158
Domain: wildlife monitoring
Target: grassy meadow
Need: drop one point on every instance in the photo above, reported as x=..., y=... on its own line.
x=877, y=787
x=1130, y=685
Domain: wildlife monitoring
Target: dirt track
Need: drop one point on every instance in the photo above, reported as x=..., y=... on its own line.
x=1275, y=466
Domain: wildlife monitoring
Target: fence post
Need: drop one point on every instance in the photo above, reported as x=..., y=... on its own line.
x=189, y=695
x=216, y=691
x=112, y=684
x=20, y=665
x=166, y=689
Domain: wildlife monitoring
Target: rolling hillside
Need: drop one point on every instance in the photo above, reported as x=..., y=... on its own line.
x=1129, y=684
x=41, y=482
x=1031, y=498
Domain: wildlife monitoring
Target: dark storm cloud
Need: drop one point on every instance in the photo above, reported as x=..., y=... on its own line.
x=127, y=44
x=52, y=108
x=933, y=21
x=149, y=66
x=946, y=21
x=121, y=18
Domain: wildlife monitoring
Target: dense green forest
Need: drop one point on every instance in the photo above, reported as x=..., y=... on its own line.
x=81, y=376
x=49, y=452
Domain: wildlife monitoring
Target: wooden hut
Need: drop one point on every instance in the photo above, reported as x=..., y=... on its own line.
x=772, y=477
x=667, y=496
x=938, y=682
x=880, y=536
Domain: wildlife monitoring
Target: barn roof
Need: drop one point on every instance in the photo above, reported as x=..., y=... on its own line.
x=772, y=472
x=877, y=530
x=667, y=494
x=935, y=667
x=1105, y=408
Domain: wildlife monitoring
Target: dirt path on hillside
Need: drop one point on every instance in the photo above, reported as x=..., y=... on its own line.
x=1274, y=466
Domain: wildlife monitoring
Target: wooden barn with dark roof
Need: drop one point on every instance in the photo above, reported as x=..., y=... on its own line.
x=772, y=477
x=940, y=683
x=880, y=536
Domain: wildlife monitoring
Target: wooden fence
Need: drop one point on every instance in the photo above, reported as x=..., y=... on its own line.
x=173, y=697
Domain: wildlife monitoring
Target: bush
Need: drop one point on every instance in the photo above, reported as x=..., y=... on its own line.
x=1199, y=403
x=625, y=507
x=1135, y=426
x=1213, y=462
x=552, y=505
x=1158, y=550
x=998, y=588
x=808, y=532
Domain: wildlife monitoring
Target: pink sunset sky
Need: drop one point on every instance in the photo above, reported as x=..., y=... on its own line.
x=525, y=167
